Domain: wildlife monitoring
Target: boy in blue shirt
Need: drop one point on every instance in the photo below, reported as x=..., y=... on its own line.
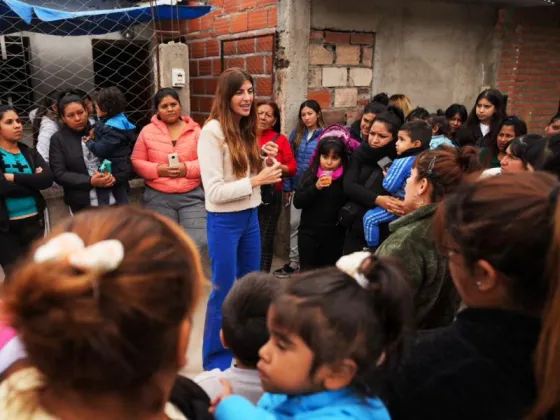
x=414, y=137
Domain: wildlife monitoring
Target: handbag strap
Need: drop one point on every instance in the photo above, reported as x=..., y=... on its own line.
x=275, y=138
x=371, y=179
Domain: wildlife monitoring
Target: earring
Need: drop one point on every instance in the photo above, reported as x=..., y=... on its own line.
x=418, y=203
x=479, y=283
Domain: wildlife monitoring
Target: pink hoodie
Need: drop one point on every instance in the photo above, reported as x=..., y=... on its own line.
x=153, y=148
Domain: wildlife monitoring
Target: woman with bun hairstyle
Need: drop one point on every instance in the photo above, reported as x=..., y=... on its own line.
x=499, y=359
x=233, y=172
x=359, y=130
x=103, y=307
x=488, y=112
x=23, y=174
x=363, y=180
x=334, y=334
x=435, y=174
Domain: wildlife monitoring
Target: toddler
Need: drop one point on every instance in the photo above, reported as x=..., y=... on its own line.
x=413, y=138
x=323, y=359
x=111, y=139
x=244, y=332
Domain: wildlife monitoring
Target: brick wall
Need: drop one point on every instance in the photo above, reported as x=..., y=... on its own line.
x=232, y=19
x=340, y=73
x=529, y=68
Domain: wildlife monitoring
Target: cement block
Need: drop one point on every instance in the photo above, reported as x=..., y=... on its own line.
x=345, y=97
x=319, y=55
x=335, y=76
x=360, y=76
x=367, y=57
x=315, y=77
x=348, y=55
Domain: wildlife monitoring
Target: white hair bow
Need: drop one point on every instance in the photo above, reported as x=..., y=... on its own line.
x=103, y=256
x=350, y=265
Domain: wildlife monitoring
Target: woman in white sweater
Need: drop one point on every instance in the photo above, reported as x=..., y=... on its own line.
x=232, y=174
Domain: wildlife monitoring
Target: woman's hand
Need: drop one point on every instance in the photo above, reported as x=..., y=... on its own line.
x=105, y=180
x=323, y=182
x=163, y=170
x=38, y=170
x=9, y=177
x=228, y=391
x=178, y=171
x=271, y=149
x=391, y=204
x=269, y=175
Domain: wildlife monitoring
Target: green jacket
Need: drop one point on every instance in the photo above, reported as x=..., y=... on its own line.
x=412, y=241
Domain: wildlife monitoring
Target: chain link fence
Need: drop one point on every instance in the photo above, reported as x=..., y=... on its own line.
x=84, y=54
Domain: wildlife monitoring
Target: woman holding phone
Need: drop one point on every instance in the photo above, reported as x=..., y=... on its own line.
x=165, y=155
x=233, y=171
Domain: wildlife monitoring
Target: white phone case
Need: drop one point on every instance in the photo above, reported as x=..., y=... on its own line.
x=173, y=159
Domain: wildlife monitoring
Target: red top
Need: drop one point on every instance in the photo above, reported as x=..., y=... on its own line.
x=285, y=154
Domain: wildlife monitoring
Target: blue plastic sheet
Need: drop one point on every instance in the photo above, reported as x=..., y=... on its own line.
x=16, y=16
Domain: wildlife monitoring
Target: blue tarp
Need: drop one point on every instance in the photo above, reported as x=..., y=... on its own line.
x=17, y=16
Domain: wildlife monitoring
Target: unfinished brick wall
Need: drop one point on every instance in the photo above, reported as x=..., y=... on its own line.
x=340, y=73
x=245, y=20
x=529, y=68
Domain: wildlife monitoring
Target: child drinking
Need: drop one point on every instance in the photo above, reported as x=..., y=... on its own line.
x=304, y=141
x=112, y=138
x=331, y=332
x=320, y=196
x=413, y=138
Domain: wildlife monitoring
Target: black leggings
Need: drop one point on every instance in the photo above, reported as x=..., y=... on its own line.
x=268, y=220
x=319, y=250
x=15, y=242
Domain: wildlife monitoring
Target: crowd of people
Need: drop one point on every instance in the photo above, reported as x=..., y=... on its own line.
x=421, y=281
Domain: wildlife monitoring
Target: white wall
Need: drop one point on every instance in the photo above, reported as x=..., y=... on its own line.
x=437, y=53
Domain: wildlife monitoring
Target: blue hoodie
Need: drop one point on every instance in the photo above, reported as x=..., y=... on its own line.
x=303, y=156
x=342, y=404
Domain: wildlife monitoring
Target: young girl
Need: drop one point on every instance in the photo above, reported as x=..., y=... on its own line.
x=304, y=141
x=112, y=139
x=232, y=175
x=456, y=115
x=320, y=196
x=484, y=120
x=23, y=174
x=331, y=332
x=440, y=131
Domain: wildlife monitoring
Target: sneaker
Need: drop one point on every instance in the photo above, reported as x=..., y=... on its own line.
x=287, y=271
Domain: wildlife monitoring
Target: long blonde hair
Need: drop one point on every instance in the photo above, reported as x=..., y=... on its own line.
x=241, y=138
x=401, y=101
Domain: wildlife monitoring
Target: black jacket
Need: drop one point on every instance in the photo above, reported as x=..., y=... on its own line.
x=471, y=136
x=25, y=185
x=363, y=164
x=320, y=208
x=480, y=367
x=116, y=146
x=67, y=163
x=190, y=399
x=356, y=130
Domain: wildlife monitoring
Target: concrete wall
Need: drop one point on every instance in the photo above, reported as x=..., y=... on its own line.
x=437, y=53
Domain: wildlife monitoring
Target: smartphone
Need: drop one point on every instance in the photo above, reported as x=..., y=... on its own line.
x=385, y=163
x=173, y=159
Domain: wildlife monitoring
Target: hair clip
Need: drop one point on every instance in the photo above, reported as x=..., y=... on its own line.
x=103, y=257
x=350, y=264
x=431, y=165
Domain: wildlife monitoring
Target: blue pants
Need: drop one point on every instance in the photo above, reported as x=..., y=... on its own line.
x=372, y=219
x=234, y=245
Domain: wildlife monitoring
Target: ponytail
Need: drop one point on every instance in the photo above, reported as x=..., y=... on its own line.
x=547, y=364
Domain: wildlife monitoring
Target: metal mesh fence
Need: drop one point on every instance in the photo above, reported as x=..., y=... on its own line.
x=77, y=54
